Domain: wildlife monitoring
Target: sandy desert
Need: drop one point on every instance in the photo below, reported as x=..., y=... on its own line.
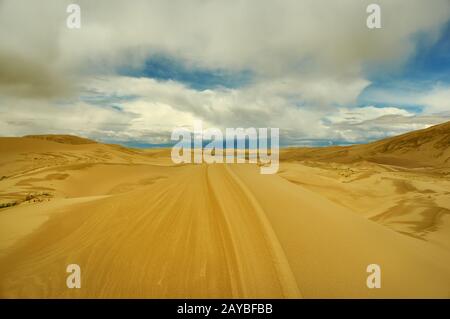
x=140, y=226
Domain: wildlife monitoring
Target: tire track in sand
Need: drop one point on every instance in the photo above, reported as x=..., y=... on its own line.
x=199, y=233
x=262, y=265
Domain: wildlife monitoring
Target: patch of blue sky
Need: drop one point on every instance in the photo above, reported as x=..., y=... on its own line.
x=296, y=143
x=164, y=68
x=427, y=68
x=393, y=94
x=431, y=62
x=186, y=144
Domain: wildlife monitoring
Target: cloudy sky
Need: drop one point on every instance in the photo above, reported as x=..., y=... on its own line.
x=135, y=70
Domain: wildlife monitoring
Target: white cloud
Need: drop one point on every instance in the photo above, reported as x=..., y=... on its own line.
x=437, y=100
x=275, y=39
x=157, y=107
x=307, y=58
x=369, y=123
x=360, y=114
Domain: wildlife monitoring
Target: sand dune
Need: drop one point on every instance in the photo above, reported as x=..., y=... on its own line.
x=424, y=148
x=140, y=226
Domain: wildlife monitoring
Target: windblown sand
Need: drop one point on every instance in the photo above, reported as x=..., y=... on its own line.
x=140, y=226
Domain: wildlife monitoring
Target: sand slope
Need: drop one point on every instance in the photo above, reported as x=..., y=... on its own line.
x=140, y=226
x=423, y=148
